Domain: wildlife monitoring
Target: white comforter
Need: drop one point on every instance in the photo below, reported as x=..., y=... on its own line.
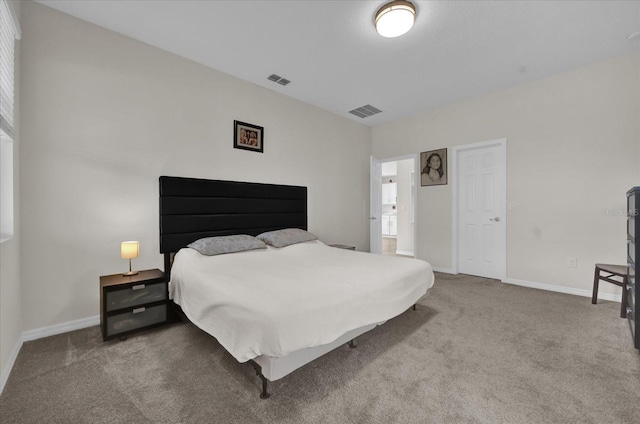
x=276, y=301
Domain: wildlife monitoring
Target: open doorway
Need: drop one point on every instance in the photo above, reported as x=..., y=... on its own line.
x=393, y=207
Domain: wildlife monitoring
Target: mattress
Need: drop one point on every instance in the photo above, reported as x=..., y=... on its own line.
x=274, y=301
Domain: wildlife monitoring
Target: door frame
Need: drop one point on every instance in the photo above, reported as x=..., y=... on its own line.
x=414, y=193
x=375, y=205
x=455, y=152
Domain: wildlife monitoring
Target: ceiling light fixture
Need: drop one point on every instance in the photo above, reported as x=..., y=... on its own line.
x=395, y=18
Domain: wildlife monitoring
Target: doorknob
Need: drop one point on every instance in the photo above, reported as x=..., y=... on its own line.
x=496, y=219
x=372, y=218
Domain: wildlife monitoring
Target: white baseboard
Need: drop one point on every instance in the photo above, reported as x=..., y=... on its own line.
x=562, y=289
x=39, y=333
x=65, y=327
x=12, y=360
x=404, y=252
x=548, y=287
x=443, y=270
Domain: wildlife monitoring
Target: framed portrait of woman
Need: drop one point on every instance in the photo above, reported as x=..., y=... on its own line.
x=433, y=166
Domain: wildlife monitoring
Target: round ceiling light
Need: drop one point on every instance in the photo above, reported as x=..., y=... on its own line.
x=395, y=18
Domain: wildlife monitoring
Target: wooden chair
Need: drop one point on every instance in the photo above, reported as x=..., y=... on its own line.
x=612, y=271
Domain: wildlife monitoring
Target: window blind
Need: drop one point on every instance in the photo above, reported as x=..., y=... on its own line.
x=9, y=31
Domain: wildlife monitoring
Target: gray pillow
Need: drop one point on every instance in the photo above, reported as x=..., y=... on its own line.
x=212, y=246
x=282, y=238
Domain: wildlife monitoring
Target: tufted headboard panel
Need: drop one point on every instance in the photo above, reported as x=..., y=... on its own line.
x=192, y=208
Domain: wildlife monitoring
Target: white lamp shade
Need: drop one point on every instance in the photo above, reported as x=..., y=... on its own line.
x=395, y=18
x=129, y=249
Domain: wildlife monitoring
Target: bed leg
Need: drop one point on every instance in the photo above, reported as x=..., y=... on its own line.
x=265, y=394
x=353, y=344
x=414, y=306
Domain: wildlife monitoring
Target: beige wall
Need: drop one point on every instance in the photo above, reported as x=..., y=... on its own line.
x=104, y=116
x=573, y=142
x=10, y=298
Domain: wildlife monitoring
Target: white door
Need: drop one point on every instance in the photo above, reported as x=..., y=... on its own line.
x=393, y=193
x=386, y=193
x=385, y=225
x=481, y=183
x=393, y=225
x=375, y=201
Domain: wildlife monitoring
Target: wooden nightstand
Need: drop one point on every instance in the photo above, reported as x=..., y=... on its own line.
x=133, y=303
x=343, y=246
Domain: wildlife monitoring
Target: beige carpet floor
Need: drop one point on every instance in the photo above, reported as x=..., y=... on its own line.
x=475, y=351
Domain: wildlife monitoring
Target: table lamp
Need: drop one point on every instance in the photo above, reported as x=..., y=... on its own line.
x=129, y=250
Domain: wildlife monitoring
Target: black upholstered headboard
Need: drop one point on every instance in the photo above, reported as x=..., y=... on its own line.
x=192, y=208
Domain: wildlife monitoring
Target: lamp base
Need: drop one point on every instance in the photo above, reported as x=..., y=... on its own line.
x=126, y=274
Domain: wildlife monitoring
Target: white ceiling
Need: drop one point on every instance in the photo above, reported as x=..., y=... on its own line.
x=336, y=60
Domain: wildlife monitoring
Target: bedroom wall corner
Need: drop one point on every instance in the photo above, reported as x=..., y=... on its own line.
x=105, y=115
x=11, y=324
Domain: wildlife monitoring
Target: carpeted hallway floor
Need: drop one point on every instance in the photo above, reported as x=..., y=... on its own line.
x=475, y=351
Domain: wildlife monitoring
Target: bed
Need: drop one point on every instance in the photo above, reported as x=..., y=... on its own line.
x=275, y=308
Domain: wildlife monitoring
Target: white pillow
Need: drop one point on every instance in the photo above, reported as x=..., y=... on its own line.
x=286, y=237
x=212, y=246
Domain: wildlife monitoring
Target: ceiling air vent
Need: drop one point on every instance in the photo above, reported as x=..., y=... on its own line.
x=278, y=79
x=365, y=111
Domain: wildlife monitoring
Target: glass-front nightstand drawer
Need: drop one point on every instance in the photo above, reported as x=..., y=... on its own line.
x=136, y=295
x=137, y=318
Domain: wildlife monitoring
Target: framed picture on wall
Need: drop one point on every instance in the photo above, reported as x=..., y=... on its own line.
x=248, y=136
x=433, y=165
